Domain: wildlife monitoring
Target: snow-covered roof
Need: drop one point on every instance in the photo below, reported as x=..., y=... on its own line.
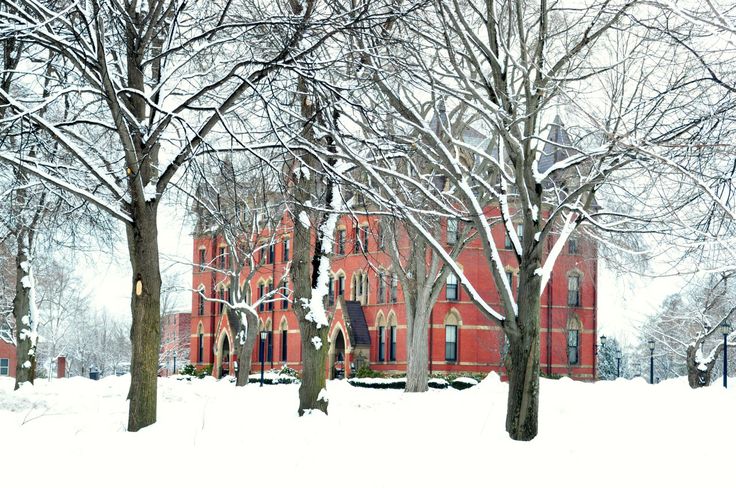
x=557, y=146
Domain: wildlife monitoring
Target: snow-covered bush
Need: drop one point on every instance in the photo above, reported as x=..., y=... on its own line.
x=463, y=382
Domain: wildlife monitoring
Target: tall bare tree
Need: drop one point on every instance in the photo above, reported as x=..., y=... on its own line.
x=144, y=75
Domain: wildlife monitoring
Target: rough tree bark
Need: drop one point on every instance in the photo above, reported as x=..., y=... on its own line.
x=145, y=332
x=246, y=333
x=522, y=413
x=25, y=369
x=305, y=273
x=697, y=377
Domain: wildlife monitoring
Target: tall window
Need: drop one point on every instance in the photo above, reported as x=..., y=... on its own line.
x=270, y=298
x=200, y=302
x=451, y=231
x=452, y=292
x=573, y=346
x=356, y=242
x=228, y=295
x=572, y=246
x=4, y=367
x=221, y=302
x=331, y=291
x=451, y=343
x=510, y=278
x=269, y=355
x=284, y=345
x=222, y=258
x=520, y=233
x=341, y=241
x=573, y=291
x=202, y=259
x=271, y=253
x=261, y=348
x=261, y=289
x=394, y=288
x=381, y=344
x=200, y=345
x=341, y=285
x=379, y=235
x=364, y=238
x=286, y=251
x=381, y=287
x=392, y=347
x=285, y=293
x=359, y=283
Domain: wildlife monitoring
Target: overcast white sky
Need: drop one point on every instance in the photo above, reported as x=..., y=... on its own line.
x=624, y=302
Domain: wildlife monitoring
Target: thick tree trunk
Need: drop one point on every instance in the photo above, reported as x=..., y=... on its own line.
x=145, y=304
x=417, y=368
x=305, y=272
x=314, y=378
x=245, y=349
x=697, y=378
x=25, y=369
x=522, y=414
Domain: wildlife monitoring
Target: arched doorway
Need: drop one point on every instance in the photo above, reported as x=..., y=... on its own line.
x=337, y=355
x=224, y=356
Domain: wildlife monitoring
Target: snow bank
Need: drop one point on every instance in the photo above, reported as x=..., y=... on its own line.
x=607, y=434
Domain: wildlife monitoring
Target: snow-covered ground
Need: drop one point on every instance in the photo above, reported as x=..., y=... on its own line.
x=618, y=434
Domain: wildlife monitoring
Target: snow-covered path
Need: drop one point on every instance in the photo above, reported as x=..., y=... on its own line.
x=209, y=433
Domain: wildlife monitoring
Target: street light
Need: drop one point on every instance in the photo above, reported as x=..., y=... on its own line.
x=725, y=330
x=174, y=361
x=603, y=344
x=262, y=352
x=618, y=363
x=651, y=361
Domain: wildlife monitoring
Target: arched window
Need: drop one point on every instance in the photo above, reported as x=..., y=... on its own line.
x=200, y=300
x=381, y=332
x=284, y=327
x=200, y=344
x=451, y=330
x=452, y=292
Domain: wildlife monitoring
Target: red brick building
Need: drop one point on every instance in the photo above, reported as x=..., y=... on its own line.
x=368, y=325
x=175, y=332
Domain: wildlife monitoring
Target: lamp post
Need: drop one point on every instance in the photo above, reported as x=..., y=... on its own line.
x=618, y=363
x=603, y=343
x=174, y=361
x=262, y=352
x=725, y=330
x=651, y=361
